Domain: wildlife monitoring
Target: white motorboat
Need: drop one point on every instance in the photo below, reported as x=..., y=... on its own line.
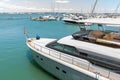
x=85, y=55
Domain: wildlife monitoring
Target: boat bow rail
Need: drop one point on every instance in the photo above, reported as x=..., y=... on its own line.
x=81, y=63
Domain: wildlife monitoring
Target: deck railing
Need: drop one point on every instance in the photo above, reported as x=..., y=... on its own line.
x=78, y=62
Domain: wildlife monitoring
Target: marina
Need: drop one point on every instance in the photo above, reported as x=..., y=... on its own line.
x=59, y=40
x=33, y=28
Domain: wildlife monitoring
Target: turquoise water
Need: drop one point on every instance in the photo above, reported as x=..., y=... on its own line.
x=15, y=61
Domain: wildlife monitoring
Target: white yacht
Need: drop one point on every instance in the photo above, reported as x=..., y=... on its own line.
x=69, y=20
x=85, y=55
x=73, y=19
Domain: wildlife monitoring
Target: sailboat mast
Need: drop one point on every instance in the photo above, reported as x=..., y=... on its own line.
x=94, y=6
x=117, y=8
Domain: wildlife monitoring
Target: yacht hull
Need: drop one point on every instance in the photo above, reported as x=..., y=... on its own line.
x=74, y=22
x=59, y=70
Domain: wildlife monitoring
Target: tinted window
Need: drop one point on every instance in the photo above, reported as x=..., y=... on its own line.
x=83, y=54
x=57, y=46
x=104, y=60
x=64, y=48
x=70, y=49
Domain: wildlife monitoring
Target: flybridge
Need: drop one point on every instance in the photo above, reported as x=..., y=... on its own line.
x=99, y=35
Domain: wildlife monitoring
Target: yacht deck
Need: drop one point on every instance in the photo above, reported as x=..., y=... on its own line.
x=111, y=53
x=73, y=62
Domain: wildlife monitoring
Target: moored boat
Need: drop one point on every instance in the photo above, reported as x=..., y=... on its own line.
x=78, y=56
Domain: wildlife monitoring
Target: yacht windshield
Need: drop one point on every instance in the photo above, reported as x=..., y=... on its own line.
x=63, y=48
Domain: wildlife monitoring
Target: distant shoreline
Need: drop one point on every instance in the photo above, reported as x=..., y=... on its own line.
x=48, y=13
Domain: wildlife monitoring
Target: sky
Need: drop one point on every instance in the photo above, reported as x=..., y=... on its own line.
x=84, y=6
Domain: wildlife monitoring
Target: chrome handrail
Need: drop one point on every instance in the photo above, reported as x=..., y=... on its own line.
x=78, y=62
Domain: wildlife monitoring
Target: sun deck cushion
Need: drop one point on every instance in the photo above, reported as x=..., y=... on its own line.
x=96, y=34
x=112, y=36
x=116, y=37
